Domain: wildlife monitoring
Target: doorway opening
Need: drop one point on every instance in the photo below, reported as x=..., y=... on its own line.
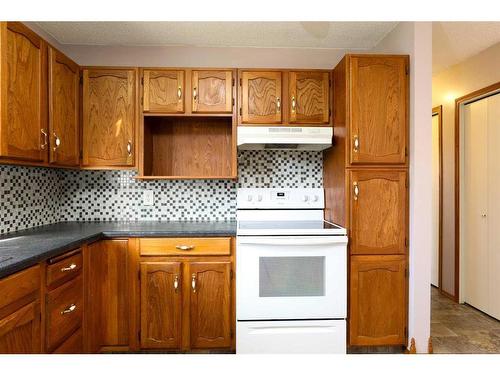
x=437, y=197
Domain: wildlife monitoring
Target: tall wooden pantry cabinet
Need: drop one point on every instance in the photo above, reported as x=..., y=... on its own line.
x=366, y=190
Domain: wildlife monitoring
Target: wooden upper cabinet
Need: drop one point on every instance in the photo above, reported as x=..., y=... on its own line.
x=23, y=94
x=212, y=91
x=63, y=110
x=164, y=91
x=378, y=109
x=20, y=331
x=261, y=97
x=210, y=302
x=378, y=204
x=377, y=300
x=161, y=291
x=309, y=99
x=109, y=116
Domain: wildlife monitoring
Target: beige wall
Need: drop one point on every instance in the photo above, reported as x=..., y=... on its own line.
x=473, y=74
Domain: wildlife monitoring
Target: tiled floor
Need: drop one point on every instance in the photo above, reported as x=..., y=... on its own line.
x=459, y=328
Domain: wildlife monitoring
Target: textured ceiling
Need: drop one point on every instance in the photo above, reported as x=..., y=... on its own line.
x=351, y=35
x=454, y=42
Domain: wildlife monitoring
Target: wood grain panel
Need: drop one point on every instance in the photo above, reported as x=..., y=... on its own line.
x=164, y=91
x=63, y=110
x=378, y=213
x=23, y=95
x=193, y=246
x=379, y=110
x=210, y=304
x=109, y=115
x=61, y=322
x=108, y=289
x=72, y=345
x=378, y=300
x=261, y=99
x=161, y=298
x=188, y=147
x=20, y=331
x=212, y=91
x=23, y=284
x=309, y=97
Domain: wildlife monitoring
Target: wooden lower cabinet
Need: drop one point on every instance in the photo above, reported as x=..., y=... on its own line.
x=20, y=331
x=161, y=300
x=378, y=300
x=73, y=345
x=210, y=304
x=185, y=304
x=108, y=298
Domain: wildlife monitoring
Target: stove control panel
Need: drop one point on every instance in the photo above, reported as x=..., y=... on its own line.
x=312, y=198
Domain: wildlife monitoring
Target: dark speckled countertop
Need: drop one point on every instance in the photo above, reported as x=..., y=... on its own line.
x=25, y=248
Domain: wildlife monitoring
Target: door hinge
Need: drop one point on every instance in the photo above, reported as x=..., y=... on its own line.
x=232, y=81
x=241, y=82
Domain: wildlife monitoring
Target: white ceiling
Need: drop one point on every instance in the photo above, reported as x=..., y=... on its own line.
x=454, y=42
x=328, y=35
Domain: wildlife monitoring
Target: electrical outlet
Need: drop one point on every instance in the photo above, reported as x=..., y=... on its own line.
x=148, y=198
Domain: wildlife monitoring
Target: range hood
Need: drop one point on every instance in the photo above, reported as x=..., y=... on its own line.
x=284, y=138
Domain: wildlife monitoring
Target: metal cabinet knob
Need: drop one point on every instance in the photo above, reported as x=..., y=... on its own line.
x=71, y=267
x=356, y=190
x=193, y=282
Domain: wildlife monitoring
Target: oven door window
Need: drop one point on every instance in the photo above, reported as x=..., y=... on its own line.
x=292, y=276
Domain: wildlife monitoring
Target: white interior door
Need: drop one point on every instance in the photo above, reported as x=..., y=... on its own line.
x=475, y=230
x=493, y=218
x=435, y=201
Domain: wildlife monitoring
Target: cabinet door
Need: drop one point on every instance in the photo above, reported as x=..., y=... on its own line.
x=108, y=295
x=309, y=97
x=378, y=212
x=377, y=300
x=260, y=97
x=63, y=109
x=109, y=100
x=161, y=305
x=210, y=302
x=378, y=109
x=212, y=91
x=164, y=91
x=20, y=331
x=23, y=95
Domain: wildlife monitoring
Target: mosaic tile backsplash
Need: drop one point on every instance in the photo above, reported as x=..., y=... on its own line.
x=31, y=196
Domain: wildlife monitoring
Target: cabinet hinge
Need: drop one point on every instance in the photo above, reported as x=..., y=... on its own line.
x=231, y=274
x=241, y=82
x=406, y=332
x=406, y=242
x=406, y=272
x=406, y=151
x=329, y=83
x=240, y=111
x=329, y=112
x=233, y=82
x=232, y=334
x=139, y=335
x=142, y=80
x=233, y=102
x=142, y=101
x=139, y=274
x=81, y=80
x=407, y=69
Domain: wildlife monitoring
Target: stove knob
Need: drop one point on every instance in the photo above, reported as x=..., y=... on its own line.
x=305, y=198
x=315, y=198
x=259, y=198
x=249, y=198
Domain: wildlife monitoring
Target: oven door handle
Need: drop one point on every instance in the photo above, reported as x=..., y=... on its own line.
x=292, y=241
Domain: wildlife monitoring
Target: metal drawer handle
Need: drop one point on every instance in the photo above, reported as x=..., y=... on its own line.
x=294, y=103
x=57, y=141
x=71, y=267
x=185, y=247
x=176, y=283
x=193, y=282
x=179, y=92
x=69, y=310
x=45, y=139
x=278, y=104
x=356, y=190
x=356, y=143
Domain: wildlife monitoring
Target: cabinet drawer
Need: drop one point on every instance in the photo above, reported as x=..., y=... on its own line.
x=19, y=285
x=64, y=269
x=185, y=246
x=72, y=345
x=64, y=311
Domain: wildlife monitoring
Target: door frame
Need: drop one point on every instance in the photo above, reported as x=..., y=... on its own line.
x=459, y=144
x=438, y=111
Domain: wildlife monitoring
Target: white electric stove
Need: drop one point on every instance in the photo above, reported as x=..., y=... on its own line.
x=292, y=274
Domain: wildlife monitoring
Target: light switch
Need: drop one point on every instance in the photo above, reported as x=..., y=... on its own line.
x=148, y=198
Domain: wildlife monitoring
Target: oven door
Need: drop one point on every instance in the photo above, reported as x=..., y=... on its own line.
x=291, y=277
